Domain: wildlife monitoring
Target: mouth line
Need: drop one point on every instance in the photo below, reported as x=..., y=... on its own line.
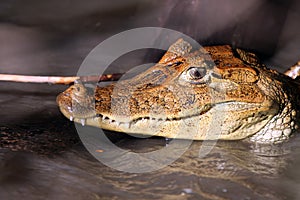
x=108, y=120
x=147, y=118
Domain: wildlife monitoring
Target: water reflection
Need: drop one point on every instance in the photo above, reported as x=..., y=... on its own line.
x=232, y=170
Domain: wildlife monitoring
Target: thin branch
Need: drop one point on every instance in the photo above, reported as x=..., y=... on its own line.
x=58, y=79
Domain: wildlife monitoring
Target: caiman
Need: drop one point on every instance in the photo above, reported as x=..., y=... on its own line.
x=217, y=92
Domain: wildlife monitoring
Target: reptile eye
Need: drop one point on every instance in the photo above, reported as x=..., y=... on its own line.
x=196, y=72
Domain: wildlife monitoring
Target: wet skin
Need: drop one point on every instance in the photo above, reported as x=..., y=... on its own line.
x=213, y=93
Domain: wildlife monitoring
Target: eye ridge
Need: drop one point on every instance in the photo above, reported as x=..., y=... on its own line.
x=197, y=72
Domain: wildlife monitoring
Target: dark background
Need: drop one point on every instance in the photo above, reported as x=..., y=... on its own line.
x=37, y=36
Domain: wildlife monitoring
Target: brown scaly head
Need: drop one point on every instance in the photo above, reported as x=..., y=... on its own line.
x=212, y=93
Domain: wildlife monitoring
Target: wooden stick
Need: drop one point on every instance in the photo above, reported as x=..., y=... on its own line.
x=58, y=79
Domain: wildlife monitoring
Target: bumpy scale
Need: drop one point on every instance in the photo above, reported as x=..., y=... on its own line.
x=213, y=93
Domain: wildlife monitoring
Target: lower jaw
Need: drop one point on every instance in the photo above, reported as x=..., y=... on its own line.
x=199, y=127
x=181, y=129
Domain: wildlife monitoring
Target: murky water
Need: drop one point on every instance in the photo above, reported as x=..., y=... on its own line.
x=63, y=169
x=41, y=154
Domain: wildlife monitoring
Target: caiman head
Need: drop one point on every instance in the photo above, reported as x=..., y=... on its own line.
x=212, y=93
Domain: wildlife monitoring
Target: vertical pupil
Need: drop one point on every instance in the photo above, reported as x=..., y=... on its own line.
x=197, y=73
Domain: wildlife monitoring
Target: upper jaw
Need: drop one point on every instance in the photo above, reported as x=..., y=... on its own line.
x=190, y=125
x=81, y=108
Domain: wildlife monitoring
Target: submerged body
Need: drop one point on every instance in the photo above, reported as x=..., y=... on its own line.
x=212, y=93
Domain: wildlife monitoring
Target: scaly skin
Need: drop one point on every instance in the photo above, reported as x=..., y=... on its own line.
x=213, y=93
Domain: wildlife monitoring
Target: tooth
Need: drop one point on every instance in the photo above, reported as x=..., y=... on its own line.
x=71, y=118
x=70, y=108
x=127, y=124
x=168, y=140
x=103, y=117
x=118, y=123
x=82, y=122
